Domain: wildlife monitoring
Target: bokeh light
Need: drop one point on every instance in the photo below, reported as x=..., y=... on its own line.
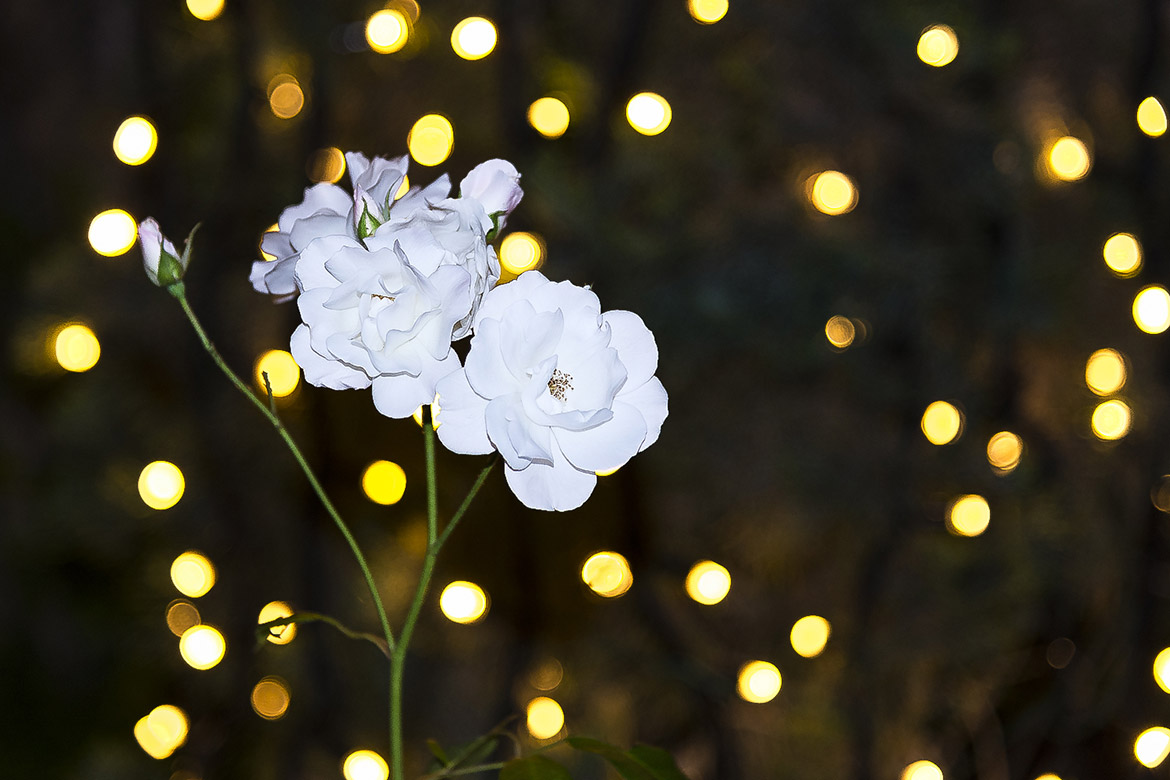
x=758, y=682
x=1111, y=420
x=1162, y=669
x=938, y=45
x=1105, y=371
x=549, y=116
x=135, y=140
x=202, y=646
x=547, y=675
x=192, y=574
x=545, y=718
x=708, y=582
x=326, y=165
x=1004, y=451
x=1151, y=309
x=809, y=635
x=364, y=765
x=1068, y=159
x=968, y=515
x=1160, y=496
x=707, y=11
x=285, y=96
x=463, y=602
x=1060, y=652
x=1123, y=254
x=840, y=331
x=942, y=422
x=387, y=30
x=473, y=38
x=832, y=193
x=1151, y=746
x=1151, y=117
x=205, y=10
x=922, y=770
x=520, y=252
x=1048, y=776
x=162, y=732
x=431, y=139
x=112, y=232
x=435, y=410
x=384, y=482
x=270, y=698
x=76, y=347
x=648, y=113
x=161, y=484
x=181, y=615
x=283, y=372
x=273, y=610
x=607, y=574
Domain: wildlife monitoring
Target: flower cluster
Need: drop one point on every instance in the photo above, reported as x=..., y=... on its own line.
x=386, y=280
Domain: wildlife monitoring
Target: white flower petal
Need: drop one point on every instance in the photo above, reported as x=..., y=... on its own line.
x=321, y=371
x=485, y=365
x=311, y=270
x=462, y=427
x=495, y=184
x=651, y=401
x=275, y=278
x=559, y=487
x=607, y=446
x=634, y=343
x=398, y=395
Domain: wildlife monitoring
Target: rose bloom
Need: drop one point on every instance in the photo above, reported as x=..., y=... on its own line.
x=154, y=244
x=559, y=388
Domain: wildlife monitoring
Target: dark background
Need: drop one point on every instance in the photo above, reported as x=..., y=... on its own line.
x=800, y=467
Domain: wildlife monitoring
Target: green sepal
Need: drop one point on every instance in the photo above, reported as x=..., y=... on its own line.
x=491, y=234
x=534, y=768
x=170, y=269
x=367, y=224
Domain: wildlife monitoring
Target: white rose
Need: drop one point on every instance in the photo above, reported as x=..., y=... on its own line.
x=379, y=316
x=559, y=388
x=154, y=246
x=496, y=185
x=323, y=212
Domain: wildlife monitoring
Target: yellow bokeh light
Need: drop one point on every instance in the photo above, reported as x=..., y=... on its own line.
x=938, y=45
x=968, y=516
x=520, y=252
x=922, y=770
x=205, y=10
x=270, y=698
x=707, y=11
x=1068, y=159
x=1111, y=420
x=942, y=423
x=1004, y=451
x=161, y=484
x=76, y=347
x=648, y=113
x=607, y=574
x=280, y=635
x=285, y=96
x=549, y=116
x=326, y=165
x=402, y=190
x=1105, y=372
x=1151, y=309
x=473, y=38
x=547, y=675
x=832, y=193
x=162, y=732
x=387, y=30
x=112, y=232
x=809, y=635
x=1151, y=117
x=202, y=646
x=758, y=682
x=135, y=140
x=192, y=574
x=1123, y=254
x=545, y=718
x=463, y=602
x=283, y=372
x=365, y=765
x=181, y=615
x=708, y=582
x=431, y=139
x=384, y=482
x=435, y=410
x=264, y=255
x=1152, y=746
x=840, y=331
x=1162, y=669
x=1048, y=776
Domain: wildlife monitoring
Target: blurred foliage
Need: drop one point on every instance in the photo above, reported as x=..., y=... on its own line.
x=798, y=466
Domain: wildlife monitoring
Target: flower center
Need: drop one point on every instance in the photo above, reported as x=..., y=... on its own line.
x=559, y=383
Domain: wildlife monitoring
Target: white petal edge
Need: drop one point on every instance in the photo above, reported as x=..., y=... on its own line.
x=462, y=426
x=558, y=488
x=651, y=401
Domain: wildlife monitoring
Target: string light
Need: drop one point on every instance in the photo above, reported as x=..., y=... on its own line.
x=431, y=139
x=283, y=372
x=162, y=732
x=161, y=484
x=192, y=574
x=387, y=30
x=707, y=11
x=384, y=482
x=473, y=38
x=922, y=770
x=1152, y=746
x=832, y=193
x=758, y=682
x=1151, y=117
x=547, y=676
x=545, y=718
x=1111, y=420
x=607, y=574
x=1162, y=669
x=326, y=165
x=809, y=635
x=1151, y=309
x=274, y=610
x=365, y=765
x=270, y=698
x=202, y=647
x=463, y=602
x=968, y=516
x=1123, y=254
x=285, y=96
x=840, y=331
x=135, y=140
x=648, y=113
x=1068, y=159
x=1105, y=372
x=1004, y=451
x=76, y=347
x=549, y=116
x=941, y=423
x=938, y=45
x=435, y=409
x=112, y=232
x=205, y=10
x=708, y=582
x=181, y=615
x=520, y=252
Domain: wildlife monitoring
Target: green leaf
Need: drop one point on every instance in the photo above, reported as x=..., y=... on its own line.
x=660, y=762
x=534, y=768
x=437, y=751
x=627, y=767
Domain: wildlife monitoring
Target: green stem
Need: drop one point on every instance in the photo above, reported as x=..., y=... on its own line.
x=263, y=630
x=300, y=458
